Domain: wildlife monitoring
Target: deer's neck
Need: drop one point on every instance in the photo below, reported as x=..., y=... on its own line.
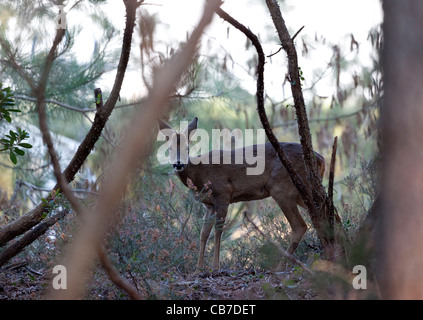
x=186, y=174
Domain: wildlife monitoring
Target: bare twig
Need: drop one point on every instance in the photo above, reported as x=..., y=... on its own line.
x=296, y=33
x=24, y=169
x=294, y=36
x=33, y=271
x=60, y=104
x=19, y=183
x=115, y=276
x=272, y=54
x=295, y=81
x=16, y=265
x=330, y=187
x=333, y=118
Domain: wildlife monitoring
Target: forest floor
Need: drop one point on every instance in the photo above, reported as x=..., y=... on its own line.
x=20, y=282
x=247, y=285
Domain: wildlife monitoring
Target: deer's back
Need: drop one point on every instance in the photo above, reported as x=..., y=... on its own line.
x=230, y=182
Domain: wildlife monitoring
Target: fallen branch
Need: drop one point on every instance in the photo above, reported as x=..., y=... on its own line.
x=30, y=236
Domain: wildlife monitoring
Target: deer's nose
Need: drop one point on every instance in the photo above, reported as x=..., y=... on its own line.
x=178, y=166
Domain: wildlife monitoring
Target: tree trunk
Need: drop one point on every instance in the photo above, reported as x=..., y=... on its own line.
x=400, y=217
x=320, y=215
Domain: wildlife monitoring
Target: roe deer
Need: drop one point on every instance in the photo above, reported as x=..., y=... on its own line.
x=230, y=183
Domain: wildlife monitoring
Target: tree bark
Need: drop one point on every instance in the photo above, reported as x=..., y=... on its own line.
x=321, y=216
x=400, y=219
x=41, y=228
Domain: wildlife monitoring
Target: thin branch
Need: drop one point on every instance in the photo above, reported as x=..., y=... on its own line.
x=330, y=188
x=12, y=60
x=86, y=110
x=60, y=104
x=114, y=275
x=295, y=81
x=296, y=34
x=19, y=183
x=272, y=54
x=74, y=5
x=334, y=118
x=24, y=169
x=318, y=209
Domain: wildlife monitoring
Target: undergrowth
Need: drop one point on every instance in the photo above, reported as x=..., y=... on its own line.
x=154, y=240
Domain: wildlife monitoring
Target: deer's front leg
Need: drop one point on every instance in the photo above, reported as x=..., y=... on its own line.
x=221, y=211
x=205, y=233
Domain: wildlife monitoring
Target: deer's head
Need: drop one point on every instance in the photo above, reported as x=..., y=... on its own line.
x=178, y=143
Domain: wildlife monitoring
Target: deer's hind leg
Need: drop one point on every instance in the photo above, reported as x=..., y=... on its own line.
x=289, y=208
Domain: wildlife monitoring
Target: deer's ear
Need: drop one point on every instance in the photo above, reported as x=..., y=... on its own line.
x=165, y=130
x=163, y=125
x=192, y=126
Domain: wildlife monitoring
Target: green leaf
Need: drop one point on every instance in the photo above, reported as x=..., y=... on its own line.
x=13, y=157
x=25, y=145
x=19, y=152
